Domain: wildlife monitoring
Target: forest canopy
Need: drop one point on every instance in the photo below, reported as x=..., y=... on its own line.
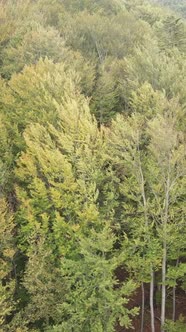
x=92, y=165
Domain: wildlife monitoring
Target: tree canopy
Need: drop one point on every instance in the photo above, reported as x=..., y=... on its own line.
x=92, y=165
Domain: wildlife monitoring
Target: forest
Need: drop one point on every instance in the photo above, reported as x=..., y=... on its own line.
x=178, y=6
x=92, y=165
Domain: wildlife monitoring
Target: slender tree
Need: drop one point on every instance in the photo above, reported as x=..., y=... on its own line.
x=167, y=151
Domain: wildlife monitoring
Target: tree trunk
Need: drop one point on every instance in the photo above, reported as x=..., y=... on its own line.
x=163, y=297
x=152, y=301
x=174, y=299
x=174, y=303
x=142, y=306
x=164, y=260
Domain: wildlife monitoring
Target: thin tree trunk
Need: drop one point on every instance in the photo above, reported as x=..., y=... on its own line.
x=163, y=297
x=174, y=299
x=164, y=260
x=142, y=306
x=142, y=181
x=152, y=301
x=174, y=303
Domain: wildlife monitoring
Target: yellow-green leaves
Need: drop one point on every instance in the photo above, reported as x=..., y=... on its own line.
x=58, y=172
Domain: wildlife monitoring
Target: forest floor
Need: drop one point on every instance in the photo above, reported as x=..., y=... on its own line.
x=136, y=302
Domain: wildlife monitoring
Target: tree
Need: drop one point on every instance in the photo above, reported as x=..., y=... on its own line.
x=58, y=185
x=95, y=301
x=99, y=36
x=34, y=43
x=168, y=160
x=8, y=269
x=42, y=284
x=178, y=7
x=67, y=179
x=127, y=147
x=105, y=100
x=151, y=169
x=6, y=157
x=57, y=193
x=172, y=34
x=93, y=6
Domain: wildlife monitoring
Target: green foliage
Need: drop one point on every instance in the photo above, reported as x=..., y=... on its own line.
x=45, y=82
x=6, y=156
x=149, y=158
x=178, y=326
x=38, y=42
x=7, y=252
x=110, y=7
x=105, y=101
x=175, y=273
x=177, y=6
x=12, y=15
x=96, y=300
x=46, y=86
x=59, y=176
x=43, y=284
x=92, y=169
x=98, y=36
x=172, y=34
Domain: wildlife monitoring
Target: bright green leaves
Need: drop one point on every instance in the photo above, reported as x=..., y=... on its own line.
x=60, y=181
x=59, y=170
x=95, y=300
